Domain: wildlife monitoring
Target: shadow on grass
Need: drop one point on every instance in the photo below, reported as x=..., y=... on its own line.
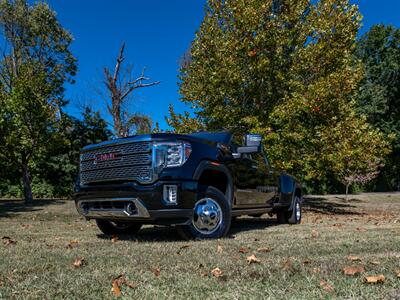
x=170, y=234
x=329, y=207
x=10, y=208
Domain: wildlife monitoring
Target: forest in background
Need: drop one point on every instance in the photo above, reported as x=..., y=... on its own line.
x=326, y=99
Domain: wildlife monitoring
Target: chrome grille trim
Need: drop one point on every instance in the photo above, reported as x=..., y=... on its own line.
x=134, y=163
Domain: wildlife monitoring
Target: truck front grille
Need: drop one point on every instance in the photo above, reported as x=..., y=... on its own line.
x=121, y=162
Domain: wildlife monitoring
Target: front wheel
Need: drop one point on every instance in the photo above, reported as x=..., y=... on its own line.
x=293, y=216
x=211, y=216
x=111, y=227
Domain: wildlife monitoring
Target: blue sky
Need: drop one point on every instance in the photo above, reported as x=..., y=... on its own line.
x=156, y=33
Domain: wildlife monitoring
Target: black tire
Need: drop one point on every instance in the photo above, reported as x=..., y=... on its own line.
x=110, y=227
x=293, y=216
x=192, y=232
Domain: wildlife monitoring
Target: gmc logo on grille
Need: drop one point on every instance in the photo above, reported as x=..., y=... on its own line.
x=106, y=157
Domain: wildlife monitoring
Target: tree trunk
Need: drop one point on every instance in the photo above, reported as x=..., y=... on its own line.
x=347, y=190
x=26, y=181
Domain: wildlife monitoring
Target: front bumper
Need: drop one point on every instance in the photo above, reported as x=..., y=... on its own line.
x=134, y=202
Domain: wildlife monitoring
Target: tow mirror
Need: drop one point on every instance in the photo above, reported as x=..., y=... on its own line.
x=253, y=140
x=253, y=144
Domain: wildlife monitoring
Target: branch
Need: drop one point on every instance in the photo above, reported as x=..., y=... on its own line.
x=120, y=59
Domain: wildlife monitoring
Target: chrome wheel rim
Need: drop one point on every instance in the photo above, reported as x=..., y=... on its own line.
x=207, y=216
x=298, y=211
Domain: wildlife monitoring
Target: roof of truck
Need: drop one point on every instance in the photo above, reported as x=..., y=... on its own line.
x=219, y=137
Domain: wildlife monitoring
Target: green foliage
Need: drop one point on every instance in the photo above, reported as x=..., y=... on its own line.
x=379, y=97
x=286, y=67
x=36, y=63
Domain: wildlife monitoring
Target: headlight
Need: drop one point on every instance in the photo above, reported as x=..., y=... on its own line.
x=168, y=154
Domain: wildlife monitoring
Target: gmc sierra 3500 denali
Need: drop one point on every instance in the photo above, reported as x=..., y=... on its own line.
x=197, y=182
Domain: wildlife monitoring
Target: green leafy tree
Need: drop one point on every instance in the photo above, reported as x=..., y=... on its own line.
x=36, y=63
x=379, y=96
x=285, y=67
x=57, y=165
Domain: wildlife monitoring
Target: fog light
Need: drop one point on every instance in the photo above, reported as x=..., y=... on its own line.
x=170, y=194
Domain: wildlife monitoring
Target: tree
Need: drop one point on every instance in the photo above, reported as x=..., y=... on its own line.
x=379, y=96
x=120, y=85
x=284, y=67
x=36, y=63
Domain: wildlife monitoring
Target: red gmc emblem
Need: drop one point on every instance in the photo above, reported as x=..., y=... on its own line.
x=106, y=157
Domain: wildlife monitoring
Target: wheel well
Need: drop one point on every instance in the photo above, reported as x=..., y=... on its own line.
x=217, y=179
x=298, y=193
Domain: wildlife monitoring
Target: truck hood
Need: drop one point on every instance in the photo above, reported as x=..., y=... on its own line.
x=147, y=138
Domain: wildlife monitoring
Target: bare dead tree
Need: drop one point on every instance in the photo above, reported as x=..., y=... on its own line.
x=120, y=88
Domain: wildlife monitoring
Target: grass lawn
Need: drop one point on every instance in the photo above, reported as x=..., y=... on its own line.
x=295, y=262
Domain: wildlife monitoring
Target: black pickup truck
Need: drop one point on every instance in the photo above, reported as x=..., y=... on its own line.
x=197, y=182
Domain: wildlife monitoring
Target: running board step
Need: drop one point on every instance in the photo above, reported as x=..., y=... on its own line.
x=250, y=211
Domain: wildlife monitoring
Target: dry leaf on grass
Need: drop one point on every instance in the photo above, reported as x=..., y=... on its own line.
x=8, y=241
x=118, y=282
x=216, y=272
x=219, y=249
x=26, y=226
x=156, y=271
x=287, y=264
x=375, y=262
x=326, y=286
x=307, y=262
x=375, y=279
x=72, y=244
x=243, y=250
x=264, y=250
x=398, y=273
x=314, y=234
x=182, y=248
x=354, y=258
x=114, y=238
x=78, y=262
x=252, y=259
x=316, y=270
x=361, y=229
x=353, y=270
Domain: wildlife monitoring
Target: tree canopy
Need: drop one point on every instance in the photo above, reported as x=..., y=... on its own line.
x=285, y=67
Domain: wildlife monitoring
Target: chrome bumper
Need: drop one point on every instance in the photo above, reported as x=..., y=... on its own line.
x=126, y=208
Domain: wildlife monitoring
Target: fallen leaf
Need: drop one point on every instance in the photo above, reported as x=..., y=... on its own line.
x=398, y=273
x=264, y=250
x=8, y=241
x=375, y=262
x=354, y=258
x=182, y=248
x=243, y=250
x=307, y=262
x=375, y=279
x=216, y=272
x=204, y=274
x=116, y=290
x=353, y=270
x=219, y=249
x=252, y=259
x=361, y=229
x=26, y=226
x=118, y=282
x=72, y=244
x=314, y=234
x=78, y=262
x=316, y=270
x=287, y=264
x=156, y=271
x=114, y=238
x=326, y=286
